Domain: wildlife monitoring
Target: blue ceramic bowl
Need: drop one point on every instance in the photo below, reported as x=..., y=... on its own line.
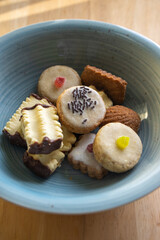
x=24, y=54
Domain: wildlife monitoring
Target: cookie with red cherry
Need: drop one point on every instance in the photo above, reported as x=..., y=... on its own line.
x=82, y=157
x=54, y=80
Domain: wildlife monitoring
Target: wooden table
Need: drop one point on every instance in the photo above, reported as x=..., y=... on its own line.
x=139, y=220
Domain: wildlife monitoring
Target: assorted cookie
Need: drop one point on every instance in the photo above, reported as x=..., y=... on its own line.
x=123, y=115
x=82, y=157
x=41, y=129
x=54, y=80
x=81, y=109
x=50, y=132
x=13, y=127
x=115, y=87
x=107, y=101
x=68, y=140
x=117, y=147
x=43, y=165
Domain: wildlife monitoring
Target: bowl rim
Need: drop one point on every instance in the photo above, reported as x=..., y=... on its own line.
x=71, y=208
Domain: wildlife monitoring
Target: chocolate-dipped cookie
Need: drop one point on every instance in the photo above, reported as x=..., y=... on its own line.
x=41, y=129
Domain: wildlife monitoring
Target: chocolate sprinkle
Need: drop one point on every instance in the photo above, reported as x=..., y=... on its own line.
x=81, y=101
x=85, y=120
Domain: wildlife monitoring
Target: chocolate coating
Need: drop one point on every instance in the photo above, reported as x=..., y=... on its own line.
x=36, y=166
x=34, y=106
x=45, y=147
x=39, y=98
x=15, y=139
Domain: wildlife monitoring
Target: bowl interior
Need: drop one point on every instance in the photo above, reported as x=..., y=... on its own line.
x=25, y=53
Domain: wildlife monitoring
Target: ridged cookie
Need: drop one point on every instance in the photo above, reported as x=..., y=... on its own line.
x=13, y=127
x=41, y=129
x=123, y=115
x=68, y=140
x=115, y=87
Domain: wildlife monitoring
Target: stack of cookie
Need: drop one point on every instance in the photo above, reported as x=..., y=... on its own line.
x=72, y=106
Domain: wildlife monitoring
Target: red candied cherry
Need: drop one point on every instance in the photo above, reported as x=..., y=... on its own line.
x=90, y=147
x=59, y=82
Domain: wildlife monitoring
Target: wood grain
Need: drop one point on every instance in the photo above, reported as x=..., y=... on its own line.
x=139, y=220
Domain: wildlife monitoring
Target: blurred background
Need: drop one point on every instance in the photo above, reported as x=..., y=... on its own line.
x=139, y=15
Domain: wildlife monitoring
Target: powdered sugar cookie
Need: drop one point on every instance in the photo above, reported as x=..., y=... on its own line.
x=81, y=109
x=82, y=157
x=54, y=80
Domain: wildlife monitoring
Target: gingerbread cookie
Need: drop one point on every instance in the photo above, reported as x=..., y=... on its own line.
x=82, y=157
x=115, y=87
x=117, y=147
x=41, y=129
x=54, y=80
x=123, y=115
x=13, y=127
x=81, y=109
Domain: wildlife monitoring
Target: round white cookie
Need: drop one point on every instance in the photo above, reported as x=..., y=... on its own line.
x=81, y=109
x=109, y=152
x=54, y=80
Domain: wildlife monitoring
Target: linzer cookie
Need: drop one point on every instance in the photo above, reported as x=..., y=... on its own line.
x=54, y=80
x=115, y=87
x=117, y=147
x=81, y=109
x=41, y=129
x=13, y=127
x=43, y=165
x=123, y=115
x=68, y=140
x=82, y=157
x=107, y=101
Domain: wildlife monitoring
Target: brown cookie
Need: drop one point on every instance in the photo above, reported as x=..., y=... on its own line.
x=115, y=87
x=123, y=115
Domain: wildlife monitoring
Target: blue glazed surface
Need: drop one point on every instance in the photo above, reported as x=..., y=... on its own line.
x=24, y=54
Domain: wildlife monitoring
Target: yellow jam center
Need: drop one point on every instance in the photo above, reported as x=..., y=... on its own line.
x=122, y=142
